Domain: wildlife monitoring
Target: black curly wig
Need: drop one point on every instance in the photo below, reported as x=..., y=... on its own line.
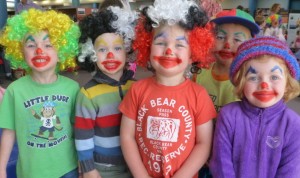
x=95, y=25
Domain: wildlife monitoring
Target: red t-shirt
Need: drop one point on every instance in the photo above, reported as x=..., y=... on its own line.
x=166, y=118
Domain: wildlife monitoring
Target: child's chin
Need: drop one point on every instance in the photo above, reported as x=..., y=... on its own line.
x=261, y=104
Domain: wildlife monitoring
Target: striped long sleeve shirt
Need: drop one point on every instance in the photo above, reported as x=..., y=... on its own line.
x=97, y=122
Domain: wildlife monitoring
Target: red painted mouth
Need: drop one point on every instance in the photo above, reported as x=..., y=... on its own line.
x=226, y=54
x=111, y=65
x=40, y=61
x=264, y=96
x=167, y=62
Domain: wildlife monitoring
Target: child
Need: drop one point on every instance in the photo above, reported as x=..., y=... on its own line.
x=130, y=64
x=273, y=27
x=259, y=12
x=38, y=109
x=106, y=37
x=275, y=9
x=233, y=28
x=296, y=43
x=259, y=135
x=261, y=22
x=166, y=128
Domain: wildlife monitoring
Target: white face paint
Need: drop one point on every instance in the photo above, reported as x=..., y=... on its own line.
x=39, y=52
x=265, y=81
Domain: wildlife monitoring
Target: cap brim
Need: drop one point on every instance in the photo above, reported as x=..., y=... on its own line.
x=254, y=28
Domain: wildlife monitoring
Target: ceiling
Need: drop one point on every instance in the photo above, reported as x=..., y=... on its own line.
x=50, y=3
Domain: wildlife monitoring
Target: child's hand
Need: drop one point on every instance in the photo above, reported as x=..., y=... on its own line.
x=80, y=175
x=32, y=112
x=79, y=171
x=91, y=174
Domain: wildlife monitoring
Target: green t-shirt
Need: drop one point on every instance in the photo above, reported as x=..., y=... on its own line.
x=42, y=116
x=221, y=92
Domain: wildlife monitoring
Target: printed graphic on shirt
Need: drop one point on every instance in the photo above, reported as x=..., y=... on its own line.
x=163, y=129
x=273, y=142
x=45, y=126
x=169, y=135
x=214, y=99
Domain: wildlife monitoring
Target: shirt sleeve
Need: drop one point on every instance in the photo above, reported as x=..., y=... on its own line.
x=7, y=119
x=280, y=35
x=221, y=163
x=205, y=108
x=84, y=130
x=129, y=105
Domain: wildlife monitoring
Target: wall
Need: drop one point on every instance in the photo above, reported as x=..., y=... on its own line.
x=229, y=4
x=139, y=4
x=268, y=3
x=295, y=5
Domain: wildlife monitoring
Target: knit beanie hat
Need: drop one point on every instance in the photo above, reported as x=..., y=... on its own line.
x=237, y=16
x=265, y=45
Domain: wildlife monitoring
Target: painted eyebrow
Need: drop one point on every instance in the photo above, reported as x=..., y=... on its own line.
x=240, y=33
x=223, y=31
x=118, y=41
x=275, y=68
x=101, y=42
x=160, y=35
x=46, y=37
x=181, y=38
x=251, y=70
x=29, y=38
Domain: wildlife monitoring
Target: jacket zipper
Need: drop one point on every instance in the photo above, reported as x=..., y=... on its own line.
x=258, y=132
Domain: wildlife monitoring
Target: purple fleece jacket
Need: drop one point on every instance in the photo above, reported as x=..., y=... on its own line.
x=251, y=142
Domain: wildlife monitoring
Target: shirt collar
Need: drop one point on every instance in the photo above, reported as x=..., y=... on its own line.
x=268, y=113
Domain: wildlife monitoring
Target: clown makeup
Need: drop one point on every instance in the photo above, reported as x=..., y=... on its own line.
x=265, y=81
x=111, y=54
x=170, y=50
x=39, y=53
x=275, y=23
x=167, y=61
x=228, y=38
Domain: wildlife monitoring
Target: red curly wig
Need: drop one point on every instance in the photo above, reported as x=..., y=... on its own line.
x=201, y=41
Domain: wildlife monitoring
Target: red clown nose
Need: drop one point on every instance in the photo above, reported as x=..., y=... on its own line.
x=168, y=51
x=39, y=51
x=110, y=55
x=264, y=85
x=226, y=45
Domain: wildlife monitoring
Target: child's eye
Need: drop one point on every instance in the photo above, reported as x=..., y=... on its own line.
x=274, y=77
x=118, y=48
x=219, y=37
x=49, y=46
x=253, y=78
x=160, y=43
x=102, y=50
x=30, y=45
x=180, y=45
x=238, y=40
